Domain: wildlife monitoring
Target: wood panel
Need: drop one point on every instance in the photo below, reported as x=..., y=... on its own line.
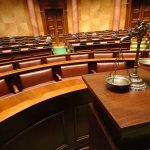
x=46, y=120
x=137, y=9
x=125, y=114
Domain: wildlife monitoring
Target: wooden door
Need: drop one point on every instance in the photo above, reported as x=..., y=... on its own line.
x=55, y=24
x=137, y=9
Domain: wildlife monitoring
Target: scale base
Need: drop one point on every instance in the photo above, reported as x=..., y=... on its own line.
x=137, y=84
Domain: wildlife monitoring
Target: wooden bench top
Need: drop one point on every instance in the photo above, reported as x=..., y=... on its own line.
x=13, y=104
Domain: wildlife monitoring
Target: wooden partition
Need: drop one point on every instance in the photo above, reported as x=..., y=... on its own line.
x=55, y=118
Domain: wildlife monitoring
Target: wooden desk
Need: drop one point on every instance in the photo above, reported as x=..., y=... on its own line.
x=107, y=46
x=125, y=115
x=26, y=52
x=47, y=117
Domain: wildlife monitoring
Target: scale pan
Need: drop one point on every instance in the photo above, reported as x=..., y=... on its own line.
x=118, y=81
x=144, y=61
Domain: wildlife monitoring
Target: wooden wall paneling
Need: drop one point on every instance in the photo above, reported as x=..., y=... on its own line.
x=137, y=9
x=146, y=11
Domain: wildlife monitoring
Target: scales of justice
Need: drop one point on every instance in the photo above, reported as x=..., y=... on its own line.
x=132, y=81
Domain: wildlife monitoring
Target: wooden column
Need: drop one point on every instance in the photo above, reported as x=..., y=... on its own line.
x=75, y=16
x=33, y=18
x=117, y=10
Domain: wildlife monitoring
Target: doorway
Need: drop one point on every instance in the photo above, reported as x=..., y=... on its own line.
x=137, y=9
x=55, y=25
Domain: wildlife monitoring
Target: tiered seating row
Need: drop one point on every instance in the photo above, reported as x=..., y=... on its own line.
x=41, y=59
x=25, y=78
x=25, y=53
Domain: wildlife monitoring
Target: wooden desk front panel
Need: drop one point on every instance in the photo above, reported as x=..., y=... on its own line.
x=34, y=122
x=125, y=114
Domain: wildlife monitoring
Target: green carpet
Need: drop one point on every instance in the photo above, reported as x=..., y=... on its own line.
x=59, y=50
x=133, y=45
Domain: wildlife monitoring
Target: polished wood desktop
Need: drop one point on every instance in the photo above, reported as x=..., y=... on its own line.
x=125, y=114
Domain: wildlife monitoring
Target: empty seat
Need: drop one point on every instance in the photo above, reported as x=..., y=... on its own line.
x=30, y=63
x=109, y=66
x=36, y=78
x=103, y=55
x=55, y=59
x=79, y=56
x=129, y=55
x=144, y=67
x=74, y=70
x=5, y=68
x=3, y=88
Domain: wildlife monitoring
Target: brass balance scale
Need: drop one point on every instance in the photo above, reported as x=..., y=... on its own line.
x=132, y=81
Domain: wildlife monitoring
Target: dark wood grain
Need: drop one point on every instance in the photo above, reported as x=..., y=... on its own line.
x=127, y=112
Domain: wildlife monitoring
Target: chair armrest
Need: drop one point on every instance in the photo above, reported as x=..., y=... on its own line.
x=15, y=88
x=58, y=76
x=93, y=71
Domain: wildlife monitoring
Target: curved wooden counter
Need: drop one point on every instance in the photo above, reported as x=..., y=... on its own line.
x=13, y=104
x=52, y=116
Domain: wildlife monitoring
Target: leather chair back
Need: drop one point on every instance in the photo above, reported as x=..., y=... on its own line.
x=79, y=56
x=103, y=55
x=129, y=55
x=36, y=78
x=5, y=68
x=74, y=70
x=55, y=59
x=109, y=66
x=144, y=67
x=3, y=88
x=30, y=63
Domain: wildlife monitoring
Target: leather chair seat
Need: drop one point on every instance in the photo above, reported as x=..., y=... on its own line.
x=5, y=68
x=35, y=78
x=109, y=66
x=30, y=63
x=74, y=70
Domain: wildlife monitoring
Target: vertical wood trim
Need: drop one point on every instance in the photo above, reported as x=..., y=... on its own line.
x=33, y=18
x=128, y=14
x=75, y=16
x=116, y=19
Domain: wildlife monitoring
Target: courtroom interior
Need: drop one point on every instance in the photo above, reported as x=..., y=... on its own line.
x=75, y=74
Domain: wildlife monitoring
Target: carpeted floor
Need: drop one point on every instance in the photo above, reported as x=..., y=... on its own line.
x=59, y=50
